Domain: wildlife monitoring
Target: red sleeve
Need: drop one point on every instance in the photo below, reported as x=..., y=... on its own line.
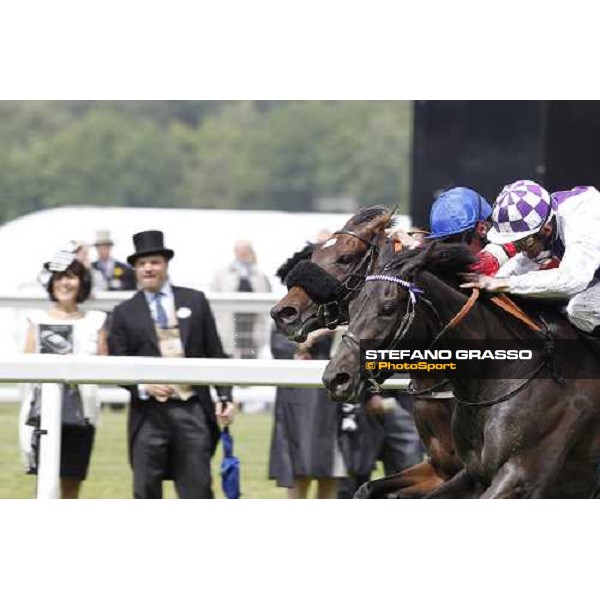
x=487, y=264
x=492, y=257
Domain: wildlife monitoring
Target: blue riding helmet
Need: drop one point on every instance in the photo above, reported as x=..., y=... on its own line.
x=456, y=210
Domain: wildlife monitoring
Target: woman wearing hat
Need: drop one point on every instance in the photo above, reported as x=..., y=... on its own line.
x=557, y=238
x=66, y=329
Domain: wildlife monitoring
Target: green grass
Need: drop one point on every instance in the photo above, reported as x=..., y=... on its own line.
x=110, y=475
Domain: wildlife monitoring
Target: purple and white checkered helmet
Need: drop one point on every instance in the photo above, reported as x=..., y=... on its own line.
x=522, y=208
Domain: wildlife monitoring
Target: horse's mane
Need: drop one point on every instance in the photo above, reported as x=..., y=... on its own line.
x=444, y=260
x=364, y=215
x=293, y=260
x=368, y=214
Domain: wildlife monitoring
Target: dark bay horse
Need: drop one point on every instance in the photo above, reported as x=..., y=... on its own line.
x=320, y=298
x=518, y=436
x=321, y=288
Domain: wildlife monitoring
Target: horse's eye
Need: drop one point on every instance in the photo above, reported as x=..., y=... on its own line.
x=345, y=259
x=387, y=309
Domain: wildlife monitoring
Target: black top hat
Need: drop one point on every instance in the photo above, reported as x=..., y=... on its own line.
x=147, y=243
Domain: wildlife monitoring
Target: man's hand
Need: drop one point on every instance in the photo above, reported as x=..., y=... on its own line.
x=302, y=354
x=485, y=282
x=374, y=405
x=161, y=391
x=225, y=413
x=407, y=239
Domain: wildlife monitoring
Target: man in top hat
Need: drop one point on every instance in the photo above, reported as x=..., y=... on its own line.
x=173, y=429
x=118, y=275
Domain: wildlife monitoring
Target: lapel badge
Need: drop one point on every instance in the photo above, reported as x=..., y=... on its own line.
x=184, y=312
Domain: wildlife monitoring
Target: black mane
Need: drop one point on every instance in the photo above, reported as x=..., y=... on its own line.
x=368, y=214
x=449, y=262
x=444, y=260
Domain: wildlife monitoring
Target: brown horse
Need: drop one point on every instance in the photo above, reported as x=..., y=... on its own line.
x=321, y=289
x=334, y=278
x=518, y=434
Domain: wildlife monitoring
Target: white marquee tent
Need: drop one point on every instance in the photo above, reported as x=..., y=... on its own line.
x=202, y=239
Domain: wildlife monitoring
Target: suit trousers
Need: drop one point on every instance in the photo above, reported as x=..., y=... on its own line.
x=173, y=439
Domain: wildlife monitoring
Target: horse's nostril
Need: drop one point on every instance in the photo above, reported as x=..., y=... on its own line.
x=287, y=314
x=340, y=379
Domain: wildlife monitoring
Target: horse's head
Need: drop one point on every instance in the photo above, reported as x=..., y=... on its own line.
x=321, y=288
x=388, y=309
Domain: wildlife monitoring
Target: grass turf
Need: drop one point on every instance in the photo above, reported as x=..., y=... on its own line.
x=110, y=475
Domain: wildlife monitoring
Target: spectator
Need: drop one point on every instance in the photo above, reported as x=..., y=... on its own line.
x=243, y=333
x=117, y=275
x=110, y=275
x=65, y=329
x=173, y=429
x=304, y=441
x=83, y=256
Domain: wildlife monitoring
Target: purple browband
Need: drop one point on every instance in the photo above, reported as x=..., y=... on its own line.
x=407, y=284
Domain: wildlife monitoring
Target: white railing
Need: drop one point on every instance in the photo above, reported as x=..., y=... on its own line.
x=15, y=306
x=53, y=370
x=72, y=368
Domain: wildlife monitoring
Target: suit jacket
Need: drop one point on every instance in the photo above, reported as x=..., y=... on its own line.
x=133, y=333
x=121, y=278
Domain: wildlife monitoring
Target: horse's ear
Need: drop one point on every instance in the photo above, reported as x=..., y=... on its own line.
x=379, y=223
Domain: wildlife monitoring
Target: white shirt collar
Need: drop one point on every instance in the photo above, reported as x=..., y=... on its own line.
x=166, y=290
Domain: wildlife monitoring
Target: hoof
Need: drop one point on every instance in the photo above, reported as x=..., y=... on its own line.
x=363, y=492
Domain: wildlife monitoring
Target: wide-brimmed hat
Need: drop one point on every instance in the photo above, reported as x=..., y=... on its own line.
x=103, y=238
x=63, y=258
x=147, y=243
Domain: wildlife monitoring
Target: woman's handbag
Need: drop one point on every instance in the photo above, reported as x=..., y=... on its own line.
x=72, y=407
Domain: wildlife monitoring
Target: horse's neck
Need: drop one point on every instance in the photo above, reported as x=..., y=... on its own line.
x=479, y=321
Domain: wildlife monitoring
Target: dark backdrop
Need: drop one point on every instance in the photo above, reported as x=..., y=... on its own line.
x=486, y=144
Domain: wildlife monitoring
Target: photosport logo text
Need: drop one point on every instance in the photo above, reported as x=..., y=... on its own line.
x=462, y=359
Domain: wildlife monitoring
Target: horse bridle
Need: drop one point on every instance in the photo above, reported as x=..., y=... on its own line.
x=334, y=313
x=409, y=315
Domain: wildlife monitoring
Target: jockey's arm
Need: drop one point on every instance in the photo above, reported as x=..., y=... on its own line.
x=581, y=259
x=573, y=275
x=492, y=257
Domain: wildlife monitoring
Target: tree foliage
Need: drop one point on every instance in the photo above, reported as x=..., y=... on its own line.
x=229, y=154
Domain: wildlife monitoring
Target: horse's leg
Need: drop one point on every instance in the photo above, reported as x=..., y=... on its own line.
x=433, y=420
x=519, y=477
x=535, y=471
x=414, y=482
x=462, y=485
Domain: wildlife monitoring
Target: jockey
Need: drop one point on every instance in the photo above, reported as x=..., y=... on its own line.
x=461, y=215
x=564, y=226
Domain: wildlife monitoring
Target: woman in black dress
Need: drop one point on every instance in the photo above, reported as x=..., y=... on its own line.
x=305, y=439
